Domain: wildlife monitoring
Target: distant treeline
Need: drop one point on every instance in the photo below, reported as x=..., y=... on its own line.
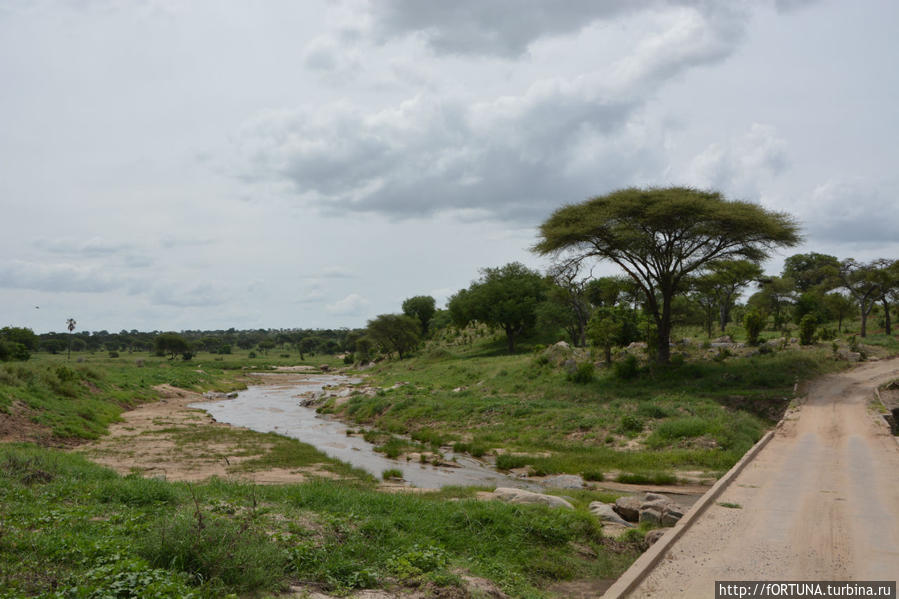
x=306, y=341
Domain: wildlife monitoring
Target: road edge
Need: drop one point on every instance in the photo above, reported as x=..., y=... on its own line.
x=641, y=568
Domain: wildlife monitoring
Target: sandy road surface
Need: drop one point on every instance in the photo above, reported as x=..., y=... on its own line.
x=820, y=501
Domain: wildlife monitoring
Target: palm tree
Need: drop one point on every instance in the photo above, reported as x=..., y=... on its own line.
x=70, y=324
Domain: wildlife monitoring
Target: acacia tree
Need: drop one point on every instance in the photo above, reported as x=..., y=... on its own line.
x=506, y=297
x=886, y=273
x=660, y=236
x=861, y=280
x=724, y=282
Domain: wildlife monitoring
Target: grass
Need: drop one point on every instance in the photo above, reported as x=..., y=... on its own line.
x=73, y=529
x=77, y=399
x=699, y=416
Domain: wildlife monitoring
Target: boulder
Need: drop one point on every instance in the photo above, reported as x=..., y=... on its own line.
x=510, y=495
x=671, y=516
x=851, y=356
x=651, y=515
x=558, y=353
x=324, y=368
x=628, y=507
x=723, y=339
x=606, y=513
x=659, y=509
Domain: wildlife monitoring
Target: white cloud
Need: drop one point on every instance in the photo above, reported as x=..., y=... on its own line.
x=742, y=166
x=352, y=305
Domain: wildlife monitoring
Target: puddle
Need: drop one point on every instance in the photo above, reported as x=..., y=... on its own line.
x=277, y=409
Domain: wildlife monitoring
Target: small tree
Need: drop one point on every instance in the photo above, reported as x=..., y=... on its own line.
x=754, y=322
x=807, y=327
x=70, y=324
x=171, y=344
x=506, y=297
x=421, y=308
x=395, y=332
x=862, y=282
x=613, y=327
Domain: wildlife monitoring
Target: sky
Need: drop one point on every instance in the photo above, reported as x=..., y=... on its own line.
x=171, y=165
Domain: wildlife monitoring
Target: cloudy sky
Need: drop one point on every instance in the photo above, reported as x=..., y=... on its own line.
x=167, y=165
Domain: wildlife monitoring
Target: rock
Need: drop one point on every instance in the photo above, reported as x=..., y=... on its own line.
x=794, y=340
x=558, y=353
x=564, y=481
x=659, y=509
x=651, y=515
x=723, y=339
x=671, y=516
x=851, y=356
x=570, y=366
x=510, y=495
x=606, y=513
x=652, y=536
x=637, y=345
x=628, y=507
x=324, y=368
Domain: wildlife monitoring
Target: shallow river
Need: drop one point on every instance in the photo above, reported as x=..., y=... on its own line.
x=276, y=408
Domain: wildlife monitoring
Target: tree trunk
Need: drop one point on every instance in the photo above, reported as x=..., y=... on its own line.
x=887, y=325
x=864, y=331
x=722, y=316
x=608, y=354
x=663, y=353
x=510, y=339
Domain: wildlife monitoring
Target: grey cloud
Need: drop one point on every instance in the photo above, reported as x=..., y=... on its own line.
x=508, y=157
x=57, y=277
x=857, y=211
x=202, y=294
x=498, y=27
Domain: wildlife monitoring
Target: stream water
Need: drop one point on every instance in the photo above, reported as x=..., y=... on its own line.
x=276, y=408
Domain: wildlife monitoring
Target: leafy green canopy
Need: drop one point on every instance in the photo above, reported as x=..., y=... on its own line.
x=659, y=236
x=505, y=297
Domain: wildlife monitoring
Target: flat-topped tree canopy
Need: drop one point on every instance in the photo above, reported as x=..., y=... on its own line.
x=659, y=236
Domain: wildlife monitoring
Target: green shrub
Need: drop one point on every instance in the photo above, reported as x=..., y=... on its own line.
x=754, y=322
x=630, y=424
x=807, y=327
x=583, y=374
x=626, y=368
x=647, y=478
x=593, y=475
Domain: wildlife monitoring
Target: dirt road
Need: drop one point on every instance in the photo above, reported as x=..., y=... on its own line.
x=820, y=501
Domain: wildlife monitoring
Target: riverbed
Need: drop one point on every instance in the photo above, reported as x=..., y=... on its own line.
x=275, y=408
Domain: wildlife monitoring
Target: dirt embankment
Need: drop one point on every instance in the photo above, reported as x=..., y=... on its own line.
x=162, y=439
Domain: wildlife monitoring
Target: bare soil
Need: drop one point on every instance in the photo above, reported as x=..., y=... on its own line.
x=819, y=502
x=145, y=442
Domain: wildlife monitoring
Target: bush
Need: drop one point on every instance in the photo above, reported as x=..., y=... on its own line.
x=807, y=327
x=627, y=368
x=582, y=374
x=754, y=322
x=593, y=475
x=631, y=424
x=827, y=334
x=113, y=354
